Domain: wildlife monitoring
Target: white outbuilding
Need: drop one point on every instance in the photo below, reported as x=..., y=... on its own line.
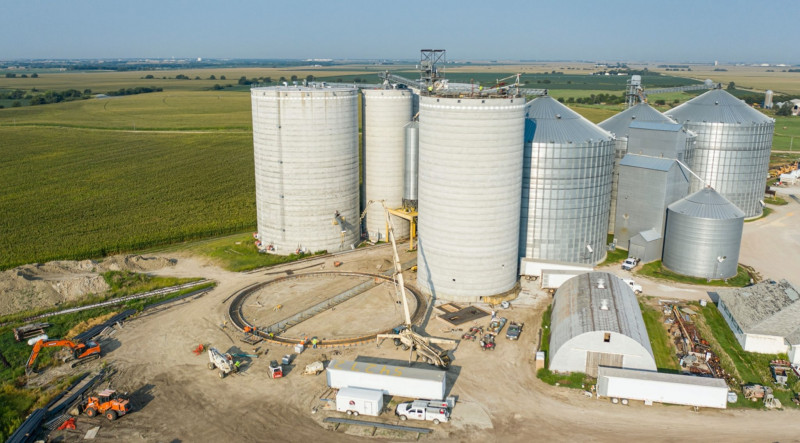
x=651, y=387
x=765, y=317
x=596, y=321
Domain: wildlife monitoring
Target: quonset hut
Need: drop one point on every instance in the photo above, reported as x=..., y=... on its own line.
x=619, y=126
x=306, y=167
x=733, y=147
x=566, y=185
x=470, y=182
x=703, y=236
x=596, y=321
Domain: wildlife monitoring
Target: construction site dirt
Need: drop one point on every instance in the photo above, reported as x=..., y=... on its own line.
x=175, y=397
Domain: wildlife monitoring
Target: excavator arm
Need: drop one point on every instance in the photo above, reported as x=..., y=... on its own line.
x=79, y=350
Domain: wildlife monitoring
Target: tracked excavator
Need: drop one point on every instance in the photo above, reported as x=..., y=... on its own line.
x=81, y=352
x=405, y=336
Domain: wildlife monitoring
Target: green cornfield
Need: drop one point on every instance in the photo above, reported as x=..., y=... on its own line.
x=68, y=193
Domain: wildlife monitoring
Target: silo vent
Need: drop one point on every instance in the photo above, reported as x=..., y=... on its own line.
x=601, y=284
x=558, y=116
x=604, y=304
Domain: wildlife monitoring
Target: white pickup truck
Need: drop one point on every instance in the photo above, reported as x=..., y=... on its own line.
x=434, y=411
x=637, y=289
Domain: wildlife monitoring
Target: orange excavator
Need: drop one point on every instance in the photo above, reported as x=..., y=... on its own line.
x=81, y=352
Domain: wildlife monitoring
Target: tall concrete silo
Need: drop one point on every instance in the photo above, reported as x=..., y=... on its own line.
x=566, y=185
x=619, y=125
x=470, y=180
x=306, y=163
x=386, y=112
x=733, y=147
x=703, y=235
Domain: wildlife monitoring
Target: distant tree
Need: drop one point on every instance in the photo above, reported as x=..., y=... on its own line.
x=243, y=80
x=569, y=82
x=16, y=104
x=222, y=77
x=731, y=86
x=24, y=76
x=34, y=75
x=197, y=77
x=785, y=110
x=212, y=77
x=571, y=100
x=267, y=79
x=11, y=75
x=561, y=99
x=87, y=91
x=294, y=78
x=357, y=80
x=181, y=77
x=217, y=87
x=148, y=76
x=309, y=78
x=283, y=79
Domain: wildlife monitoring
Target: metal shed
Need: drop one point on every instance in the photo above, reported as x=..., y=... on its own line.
x=646, y=246
x=596, y=321
x=652, y=387
x=619, y=126
x=703, y=235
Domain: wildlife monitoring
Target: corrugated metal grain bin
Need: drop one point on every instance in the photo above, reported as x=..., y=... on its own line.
x=391, y=380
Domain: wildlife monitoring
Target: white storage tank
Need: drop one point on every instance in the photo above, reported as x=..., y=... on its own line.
x=619, y=126
x=386, y=112
x=703, y=236
x=306, y=167
x=733, y=147
x=470, y=183
x=566, y=190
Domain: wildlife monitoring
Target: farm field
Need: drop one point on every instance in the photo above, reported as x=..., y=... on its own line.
x=90, y=177
x=76, y=193
x=746, y=77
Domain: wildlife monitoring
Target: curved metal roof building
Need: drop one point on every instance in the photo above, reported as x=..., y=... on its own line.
x=566, y=185
x=596, y=321
x=703, y=235
x=732, y=149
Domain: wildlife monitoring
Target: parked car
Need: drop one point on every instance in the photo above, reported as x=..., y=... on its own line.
x=630, y=263
x=637, y=289
x=514, y=330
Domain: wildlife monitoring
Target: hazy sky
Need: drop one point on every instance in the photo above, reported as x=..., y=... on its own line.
x=678, y=30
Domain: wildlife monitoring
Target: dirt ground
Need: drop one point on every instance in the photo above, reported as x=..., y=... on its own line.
x=176, y=398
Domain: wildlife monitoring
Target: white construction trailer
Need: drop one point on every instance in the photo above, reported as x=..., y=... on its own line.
x=650, y=387
x=391, y=380
x=357, y=401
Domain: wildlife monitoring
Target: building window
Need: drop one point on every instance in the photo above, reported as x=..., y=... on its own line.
x=607, y=337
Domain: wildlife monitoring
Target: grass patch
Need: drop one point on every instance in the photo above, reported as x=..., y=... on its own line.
x=575, y=380
x=666, y=360
x=658, y=271
x=764, y=212
x=238, y=253
x=125, y=283
x=777, y=200
x=615, y=256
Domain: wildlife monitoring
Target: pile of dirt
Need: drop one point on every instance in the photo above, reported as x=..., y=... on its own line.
x=44, y=285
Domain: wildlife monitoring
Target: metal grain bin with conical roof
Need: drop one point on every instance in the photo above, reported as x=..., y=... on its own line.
x=566, y=185
x=703, y=235
x=386, y=112
x=733, y=147
x=619, y=125
x=306, y=167
x=470, y=180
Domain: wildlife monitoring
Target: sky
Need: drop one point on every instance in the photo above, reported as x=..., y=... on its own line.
x=597, y=30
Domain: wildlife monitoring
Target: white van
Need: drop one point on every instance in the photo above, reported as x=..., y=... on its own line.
x=356, y=401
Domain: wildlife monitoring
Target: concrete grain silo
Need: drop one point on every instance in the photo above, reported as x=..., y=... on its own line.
x=703, y=236
x=386, y=112
x=733, y=147
x=306, y=167
x=470, y=181
x=566, y=185
x=619, y=125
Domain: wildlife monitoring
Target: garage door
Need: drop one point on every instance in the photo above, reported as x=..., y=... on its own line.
x=595, y=359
